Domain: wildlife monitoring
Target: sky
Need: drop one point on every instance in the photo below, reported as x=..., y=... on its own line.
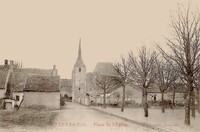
x=43, y=33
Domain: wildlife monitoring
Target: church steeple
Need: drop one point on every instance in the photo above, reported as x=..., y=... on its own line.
x=79, y=50
x=79, y=61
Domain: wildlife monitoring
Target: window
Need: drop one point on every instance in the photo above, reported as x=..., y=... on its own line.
x=79, y=69
x=17, y=98
x=79, y=88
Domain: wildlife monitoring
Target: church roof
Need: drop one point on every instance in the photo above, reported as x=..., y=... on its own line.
x=79, y=61
x=105, y=68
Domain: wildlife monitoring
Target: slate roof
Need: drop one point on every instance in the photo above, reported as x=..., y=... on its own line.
x=39, y=83
x=105, y=68
x=79, y=61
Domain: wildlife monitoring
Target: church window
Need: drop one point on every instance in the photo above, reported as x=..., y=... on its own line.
x=79, y=69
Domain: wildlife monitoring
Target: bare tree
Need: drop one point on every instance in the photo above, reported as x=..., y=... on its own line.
x=175, y=85
x=122, y=68
x=143, y=72
x=197, y=88
x=185, y=47
x=166, y=77
x=106, y=84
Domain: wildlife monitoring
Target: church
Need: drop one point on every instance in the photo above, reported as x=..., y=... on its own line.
x=83, y=87
x=79, y=89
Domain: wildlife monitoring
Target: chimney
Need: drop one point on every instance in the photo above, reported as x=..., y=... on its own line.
x=6, y=62
x=11, y=65
x=54, y=67
x=54, y=72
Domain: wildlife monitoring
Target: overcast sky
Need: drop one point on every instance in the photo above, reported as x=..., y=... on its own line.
x=42, y=33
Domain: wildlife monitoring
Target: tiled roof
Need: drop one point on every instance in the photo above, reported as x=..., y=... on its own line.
x=3, y=75
x=47, y=72
x=180, y=88
x=18, y=77
x=66, y=83
x=39, y=83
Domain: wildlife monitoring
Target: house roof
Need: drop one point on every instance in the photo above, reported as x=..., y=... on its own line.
x=39, y=83
x=18, y=77
x=179, y=88
x=66, y=83
x=35, y=71
x=105, y=68
x=3, y=76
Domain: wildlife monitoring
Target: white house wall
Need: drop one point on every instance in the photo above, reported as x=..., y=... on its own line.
x=20, y=94
x=2, y=93
x=50, y=100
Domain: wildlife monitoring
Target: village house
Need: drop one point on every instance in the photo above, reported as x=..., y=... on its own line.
x=43, y=91
x=13, y=79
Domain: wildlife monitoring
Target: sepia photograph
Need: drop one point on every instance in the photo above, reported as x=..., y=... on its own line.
x=99, y=66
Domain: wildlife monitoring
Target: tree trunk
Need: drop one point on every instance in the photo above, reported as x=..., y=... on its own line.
x=174, y=96
x=198, y=100
x=163, y=105
x=188, y=102
x=104, y=98
x=193, y=103
x=123, y=99
x=144, y=102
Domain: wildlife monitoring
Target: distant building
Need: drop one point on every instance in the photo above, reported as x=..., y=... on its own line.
x=66, y=88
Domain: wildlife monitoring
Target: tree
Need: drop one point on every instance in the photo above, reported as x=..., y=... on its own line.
x=143, y=72
x=166, y=77
x=197, y=87
x=105, y=83
x=185, y=50
x=174, y=87
x=122, y=69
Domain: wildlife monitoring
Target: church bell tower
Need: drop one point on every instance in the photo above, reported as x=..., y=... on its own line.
x=79, y=79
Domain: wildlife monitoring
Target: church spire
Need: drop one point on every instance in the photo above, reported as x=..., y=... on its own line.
x=79, y=61
x=79, y=50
